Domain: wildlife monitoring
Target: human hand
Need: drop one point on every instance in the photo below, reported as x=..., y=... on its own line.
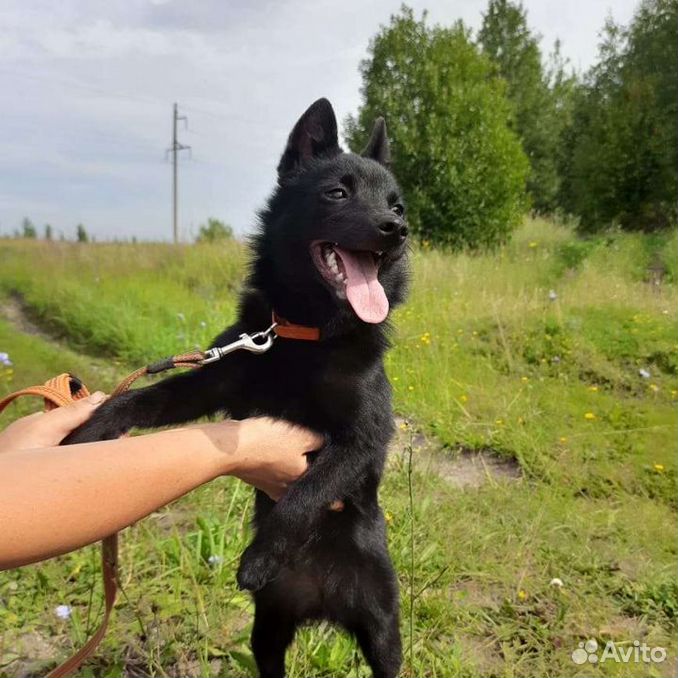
x=47, y=429
x=271, y=454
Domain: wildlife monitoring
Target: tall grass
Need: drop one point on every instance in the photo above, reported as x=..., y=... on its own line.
x=533, y=355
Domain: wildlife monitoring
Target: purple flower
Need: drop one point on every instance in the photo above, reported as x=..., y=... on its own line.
x=63, y=611
x=4, y=360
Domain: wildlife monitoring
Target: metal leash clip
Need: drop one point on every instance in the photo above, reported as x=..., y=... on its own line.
x=258, y=343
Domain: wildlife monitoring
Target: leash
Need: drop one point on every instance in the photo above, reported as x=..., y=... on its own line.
x=65, y=389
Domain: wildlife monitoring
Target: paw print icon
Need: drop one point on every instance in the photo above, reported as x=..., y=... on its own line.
x=586, y=652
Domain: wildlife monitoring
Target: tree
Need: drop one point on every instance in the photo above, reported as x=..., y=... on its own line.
x=28, y=230
x=214, y=231
x=81, y=234
x=506, y=38
x=48, y=232
x=622, y=164
x=461, y=167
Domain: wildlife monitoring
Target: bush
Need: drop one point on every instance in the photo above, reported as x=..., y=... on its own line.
x=461, y=167
x=214, y=231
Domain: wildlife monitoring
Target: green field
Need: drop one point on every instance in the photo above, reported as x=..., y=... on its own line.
x=525, y=364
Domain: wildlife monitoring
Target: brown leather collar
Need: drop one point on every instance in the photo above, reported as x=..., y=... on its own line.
x=287, y=330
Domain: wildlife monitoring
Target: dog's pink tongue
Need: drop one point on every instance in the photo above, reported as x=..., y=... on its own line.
x=363, y=289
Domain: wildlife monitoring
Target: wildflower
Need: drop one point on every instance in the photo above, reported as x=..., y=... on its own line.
x=590, y=416
x=552, y=295
x=521, y=420
x=522, y=595
x=4, y=360
x=659, y=468
x=396, y=378
x=203, y=324
x=499, y=422
x=593, y=388
x=63, y=611
x=403, y=426
x=674, y=393
x=388, y=517
x=562, y=439
x=410, y=388
x=215, y=560
x=654, y=388
x=524, y=380
x=556, y=582
x=645, y=374
x=463, y=397
x=533, y=244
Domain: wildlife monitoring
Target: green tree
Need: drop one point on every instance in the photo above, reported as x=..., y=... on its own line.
x=461, y=167
x=214, y=231
x=81, y=234
x=622, y=168
x=506, y=38
x=48, y=232
x=28, y=230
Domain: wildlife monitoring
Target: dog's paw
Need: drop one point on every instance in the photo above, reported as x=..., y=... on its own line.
x=256, y=569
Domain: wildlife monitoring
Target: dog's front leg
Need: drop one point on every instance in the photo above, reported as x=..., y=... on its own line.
x=176, y=400
x=339, y=468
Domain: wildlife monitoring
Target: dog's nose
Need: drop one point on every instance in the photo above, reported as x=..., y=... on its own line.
x=393, y=227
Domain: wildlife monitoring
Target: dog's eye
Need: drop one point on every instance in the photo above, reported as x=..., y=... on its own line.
x=398, y=209
x=337, y=194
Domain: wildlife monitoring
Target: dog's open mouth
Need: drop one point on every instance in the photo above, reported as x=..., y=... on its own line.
x=352, y=274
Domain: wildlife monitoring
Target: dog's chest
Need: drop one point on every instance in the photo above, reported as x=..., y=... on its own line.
x=308, y=387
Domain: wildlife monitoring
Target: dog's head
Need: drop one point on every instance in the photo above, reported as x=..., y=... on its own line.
x=334, y=235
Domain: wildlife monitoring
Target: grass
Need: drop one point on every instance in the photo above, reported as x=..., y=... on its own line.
x=534, y=353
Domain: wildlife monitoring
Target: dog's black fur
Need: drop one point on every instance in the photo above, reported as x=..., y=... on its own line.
x=307, y=562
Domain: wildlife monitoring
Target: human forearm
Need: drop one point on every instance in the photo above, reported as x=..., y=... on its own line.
x=56, y=499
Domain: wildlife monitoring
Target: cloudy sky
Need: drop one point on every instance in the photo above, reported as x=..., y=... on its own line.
x=88, y=91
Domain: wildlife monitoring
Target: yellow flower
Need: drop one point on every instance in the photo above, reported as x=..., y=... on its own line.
x=590, y=416
x=521, y=420
x=659, y=468
x=674, y=393
x=403, y=426
x=524, y=380
x=463, y=398
x=522, y=594
x=498, y=422
x=396, y=378
x=654, y=388
x=533, y=244
x=410, y=388
x=593, y=388
x=563, y=439
x=388, y=517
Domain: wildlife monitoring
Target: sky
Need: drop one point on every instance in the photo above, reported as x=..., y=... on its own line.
x=88, y=90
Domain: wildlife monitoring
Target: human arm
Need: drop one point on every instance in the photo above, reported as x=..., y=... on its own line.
x=56, y=499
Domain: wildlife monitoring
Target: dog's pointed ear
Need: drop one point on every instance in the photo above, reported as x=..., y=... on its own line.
x=378, y=147
x=314, y=135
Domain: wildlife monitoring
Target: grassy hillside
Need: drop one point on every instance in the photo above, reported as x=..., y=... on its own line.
x=532, y=356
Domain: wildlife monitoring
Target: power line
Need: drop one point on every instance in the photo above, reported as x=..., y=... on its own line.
x=174, y=150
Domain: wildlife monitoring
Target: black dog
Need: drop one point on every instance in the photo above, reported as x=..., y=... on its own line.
x=330, y=254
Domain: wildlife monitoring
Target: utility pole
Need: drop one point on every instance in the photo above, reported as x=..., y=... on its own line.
x=174, y=150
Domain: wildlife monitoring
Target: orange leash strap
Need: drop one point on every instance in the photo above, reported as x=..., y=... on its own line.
x=57, y=392
x=63, y=390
